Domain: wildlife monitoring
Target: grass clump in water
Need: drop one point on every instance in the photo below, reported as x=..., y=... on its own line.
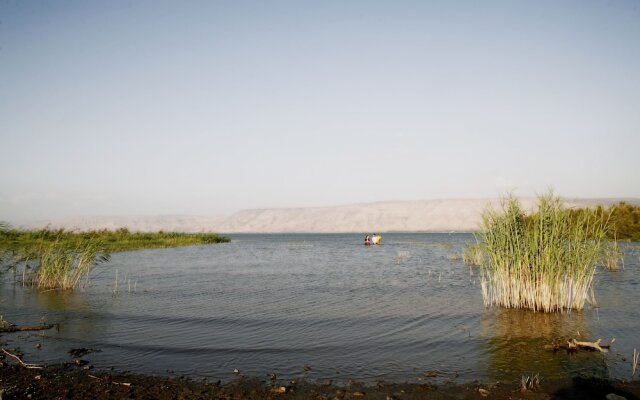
x=473, y=254
x=50, y=259
x=544, y=261
x=62, y=264
x=613, y=256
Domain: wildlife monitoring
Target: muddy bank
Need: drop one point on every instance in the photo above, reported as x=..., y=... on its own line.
x=73, y=381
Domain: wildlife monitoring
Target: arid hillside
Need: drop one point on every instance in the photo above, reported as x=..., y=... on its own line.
x=405, y=216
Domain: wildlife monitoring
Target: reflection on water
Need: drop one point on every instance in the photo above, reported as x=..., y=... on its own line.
x=518, y=343
x=60, y=301
x=509, y=323
x=70, y=311
x=275, y=303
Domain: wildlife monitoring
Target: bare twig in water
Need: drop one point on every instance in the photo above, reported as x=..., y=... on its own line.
x=634, y=363
x=30, y=366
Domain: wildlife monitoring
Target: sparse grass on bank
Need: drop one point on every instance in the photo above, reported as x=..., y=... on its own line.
x=544, y=261
x=59, y=259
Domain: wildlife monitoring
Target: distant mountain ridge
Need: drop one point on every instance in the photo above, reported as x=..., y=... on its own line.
x=391, y=216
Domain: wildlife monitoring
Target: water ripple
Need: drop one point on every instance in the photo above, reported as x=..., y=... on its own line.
x=266, y=303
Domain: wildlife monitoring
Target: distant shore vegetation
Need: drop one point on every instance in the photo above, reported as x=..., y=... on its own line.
x=623, y=220
x=60, y=259
x=111, y=241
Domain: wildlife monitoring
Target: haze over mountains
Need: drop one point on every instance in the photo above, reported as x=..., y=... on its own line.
x=404, y=216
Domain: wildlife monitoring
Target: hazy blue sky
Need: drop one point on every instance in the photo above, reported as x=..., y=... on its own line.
x=150, y=107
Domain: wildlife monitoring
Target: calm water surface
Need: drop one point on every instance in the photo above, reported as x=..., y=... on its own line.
x=278, y=303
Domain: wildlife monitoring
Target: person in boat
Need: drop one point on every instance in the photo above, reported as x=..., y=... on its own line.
x=367, y=240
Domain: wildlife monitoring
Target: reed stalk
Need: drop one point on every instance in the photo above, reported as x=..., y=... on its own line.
x=116, y=290
x=543, y=261
x=634, y=363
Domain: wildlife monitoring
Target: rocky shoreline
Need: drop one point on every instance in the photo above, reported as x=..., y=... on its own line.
x=74, y=381
x=79, y=379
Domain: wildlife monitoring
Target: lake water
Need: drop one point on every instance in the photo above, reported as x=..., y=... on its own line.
x=319, y=306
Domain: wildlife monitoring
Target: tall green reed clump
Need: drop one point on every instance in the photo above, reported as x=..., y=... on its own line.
x=57, y=259
x=544, y=261
x=63, y=264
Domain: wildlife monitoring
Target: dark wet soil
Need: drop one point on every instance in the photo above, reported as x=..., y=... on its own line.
x=73, y=381
x=78, y=379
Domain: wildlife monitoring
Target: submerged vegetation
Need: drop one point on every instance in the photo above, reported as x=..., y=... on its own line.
x=59, y=259
x=544, y=261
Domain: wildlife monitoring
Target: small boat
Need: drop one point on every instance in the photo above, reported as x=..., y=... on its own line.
x=375, y=239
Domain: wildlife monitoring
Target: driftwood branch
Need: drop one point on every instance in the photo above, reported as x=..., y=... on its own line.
x=13, y=356
x=25, y=328
x=109, y=381
x=572, y=345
